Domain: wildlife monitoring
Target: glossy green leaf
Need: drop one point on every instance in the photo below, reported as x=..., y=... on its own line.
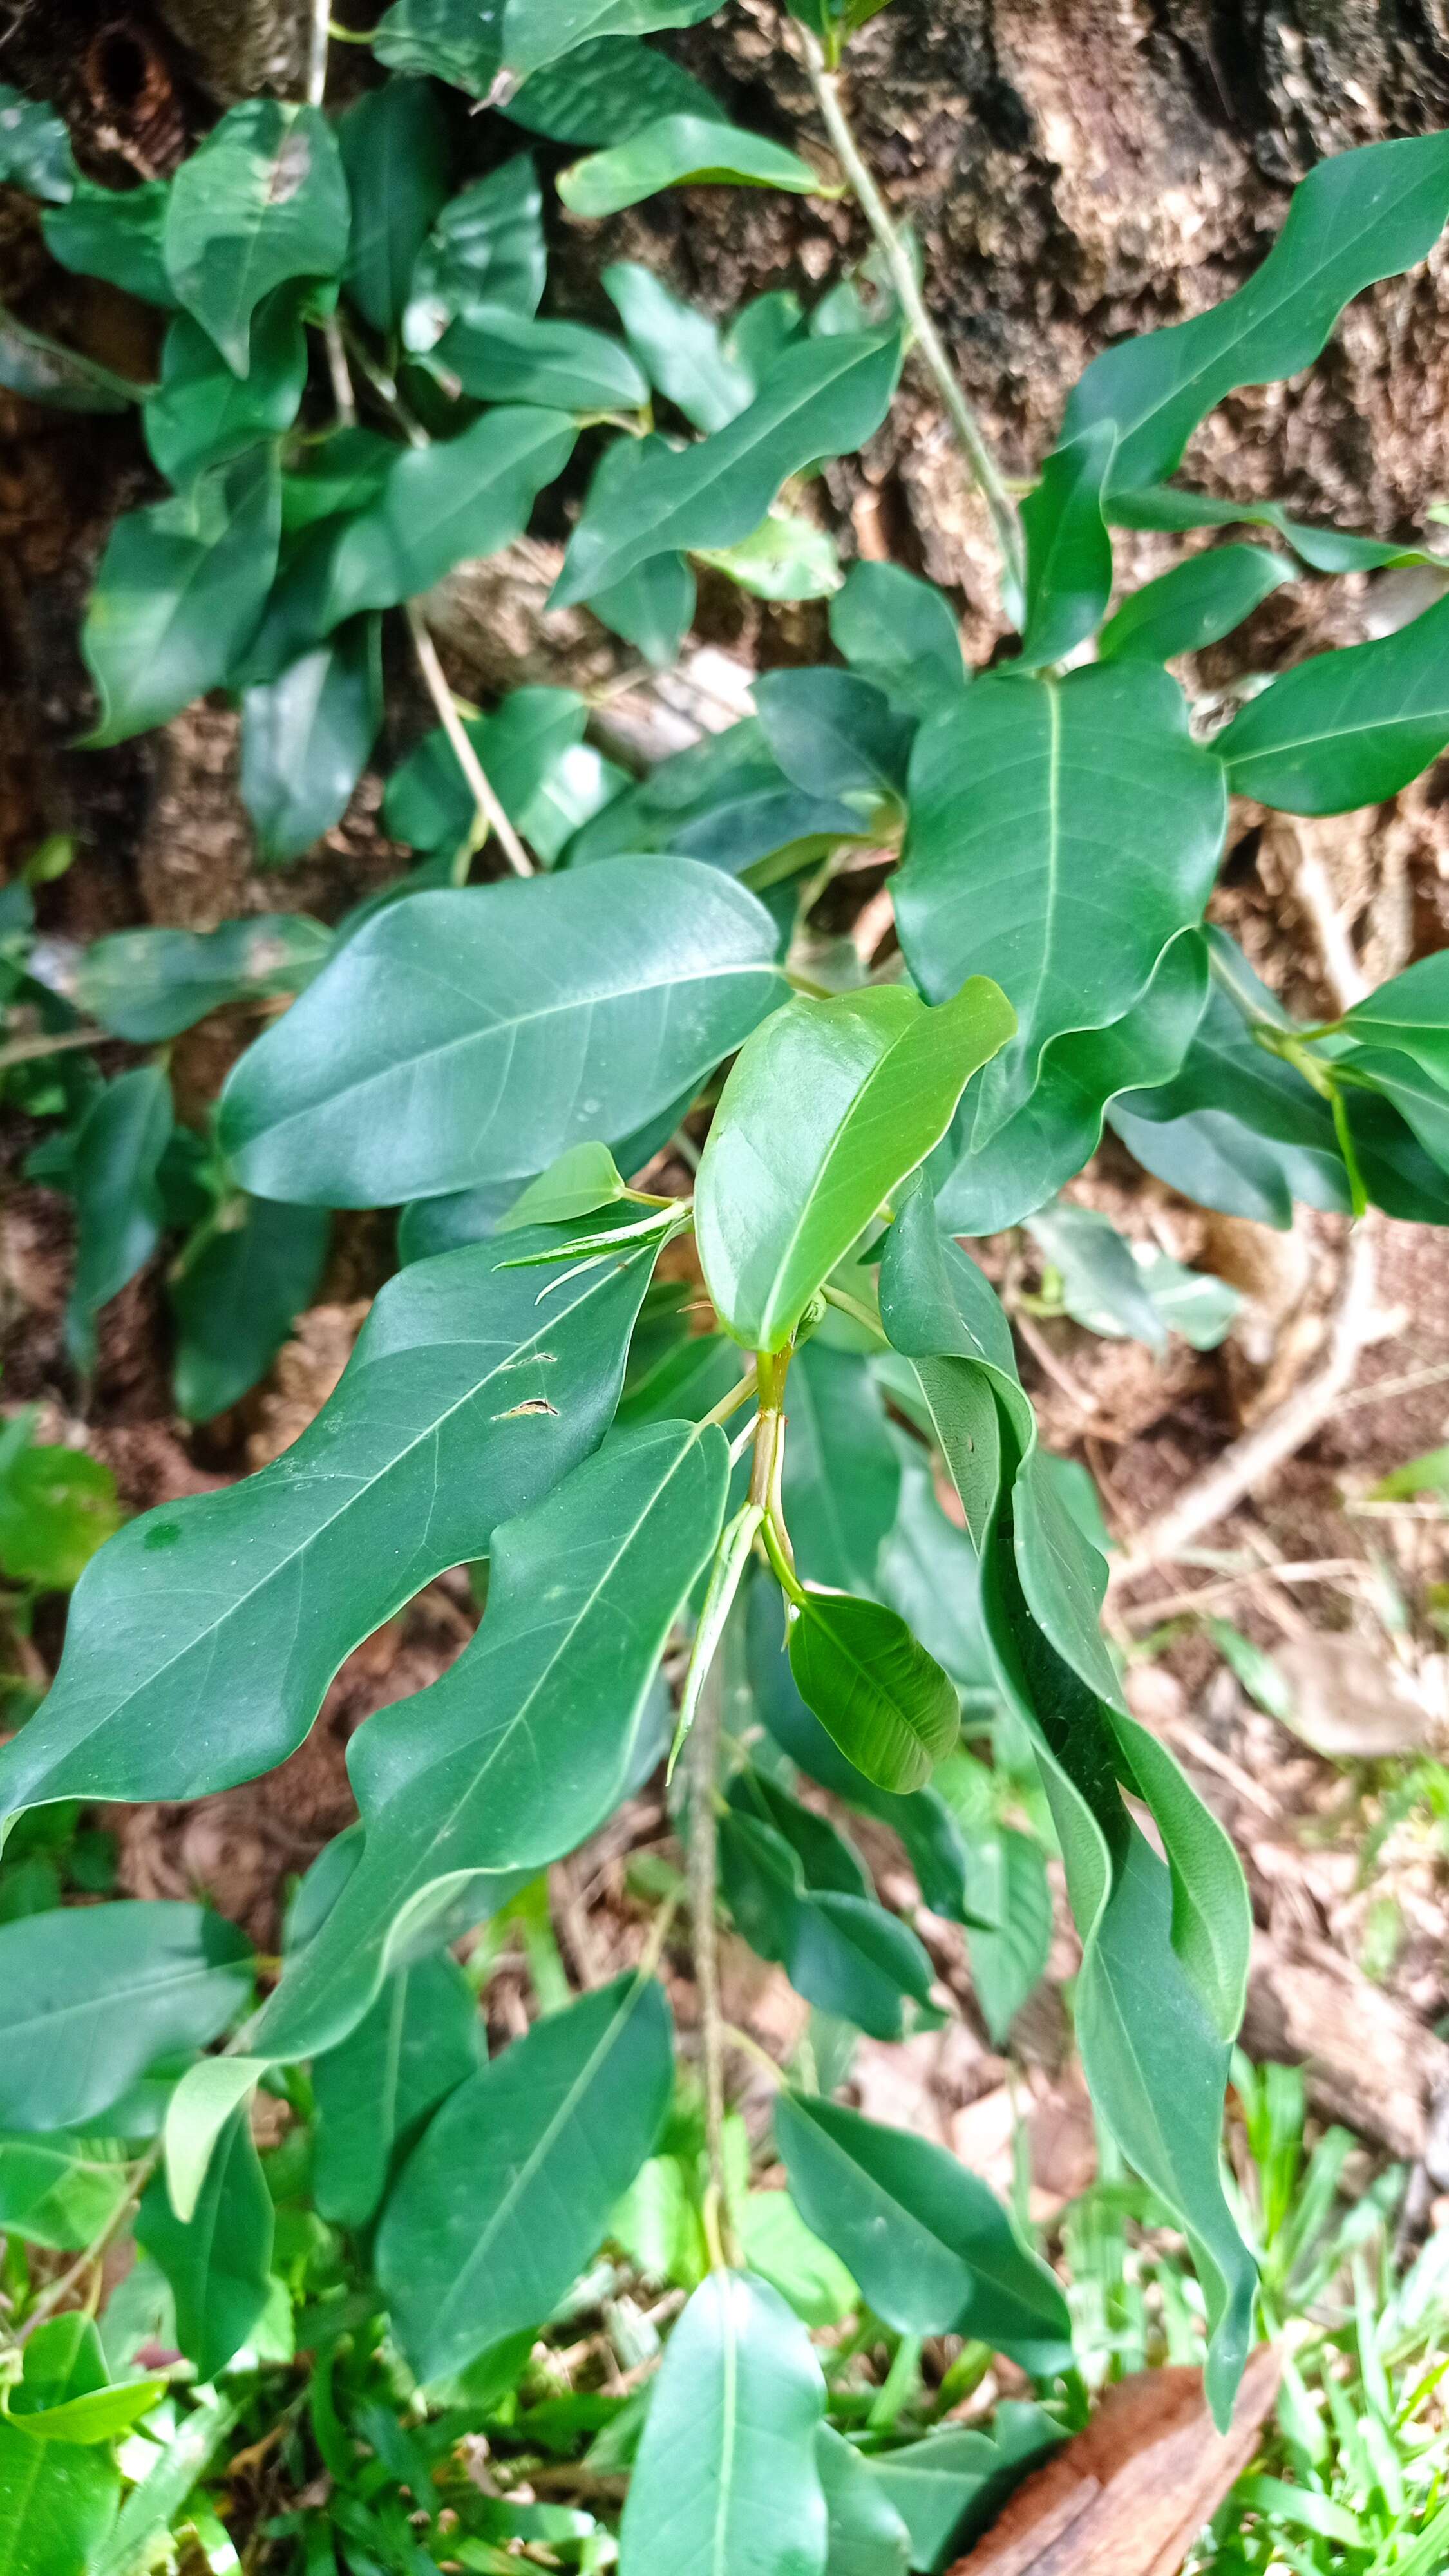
x=218, y=2262
x=584, y=1178
x=950, y=2486
x=91, y=1995
x=1068, y=549
x=653, y=607
x=1357, y=217
x=1010, y=1934
x=61, y=2191
x=1411, y=1014
x=604, y=91
x=113, y=1180
x=835, y=734
x=46, y=371
x=115, y=234
x=899, y=632
x=527, y=1743
x=572, y=1006
x=179, y=593
x=500, y=356
x=785, y=557
x=63, y=2394
x=1329, y=550
x=463, y=1402
x=1035, y=811
x=822, y=398
x=866, y=2534
x=842, y=1479
x=982, y=1187
x=725, y=801
x=536, y=32
x=680, y=152
x=238, y=1298
x=486, y=248
x=394, y=147
x=149, y=985
x=882, y=1698
x=521, y=747
x=307, y=737
x=1099, y=1276
x=450, y=38
x=1347, y=728
x=826, y=1110
x=678, y=346
x=57, y=2498
x=510, y=2190
x=419, y=2040
x=1420, y=1101
x=933, y=2250
x=262, y=199
x=201, y=414
x=727, y=2478
x=35, y=151
x=840, y=1949
x=198, y=2111
x=1193, y=605
x=57, y=1506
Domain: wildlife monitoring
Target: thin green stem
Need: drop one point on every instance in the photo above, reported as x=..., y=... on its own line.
x=1004, y=519
x=731, y=1403
x=27, y=1050
x=704, y=1746
x=59, y=2291
x=899, y=2385
x=751, y=2048
x=489, y=811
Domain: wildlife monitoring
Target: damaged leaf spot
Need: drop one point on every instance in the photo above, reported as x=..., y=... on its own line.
x=531, y=1404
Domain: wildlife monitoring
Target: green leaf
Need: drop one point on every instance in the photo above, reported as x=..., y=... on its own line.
x=785, y=557
x=45, y=371
x=57, y=2498
x=113, y=1180
x=1068, y=549
x=307, y=737
x=499, y=356
x=536, y=32
x=452, y=38
x=841, y=1950
x=727, y=2477
x=835, y=734
x=584, y=1178
x=114, y=234
x=1359, y=216
x=1195, y=604
x=1101, y=1284
x=826, y=1110
x=61, y=2191
x=238, y=1298
x=572, y=1007
x=1346, y=728
x=35, y=151
x=866, y=2534
x=653, y=608
x=1190, y=1302
x=486, y=249
x=262, y=199
x=882, y=1698
x=726, y=801
x=1419, y=1099
x=1034, y=811
x=933, y=2250
x=842, y=1479
x=1426, y=1475
x=604, y=91
x=530, y=1739
x=463, y=1402
x=779, y=2248
x=57, y=1506
x=219, y=2261
x=681, y=152
x=202, y=415
x=93, y=1995
x=522, y=748
x=510, y=2190
x=899, y=632
x=822, y=398
x=678, y=347
x=418, y=2041
x=149, y=985
x=948, y=2487
x=1010, y=1934
x=199, y=2109
x=178, y=596
x=394, y=148
x=1411, y=1014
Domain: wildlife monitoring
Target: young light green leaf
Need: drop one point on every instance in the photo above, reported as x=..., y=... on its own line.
x=238, y=1298
x=92, y=1995
x=464, y=1401
x=1357, y=217
x=62, y=2191
x=57, y=2498
x=179, y=593
x=823, y=397
x=779, y=2248
x=218, y=2262
x=681, y=152
x=1068, y=549
x=113, y=1180
x=1410, y=1013
x=877, y=1693
x=35, y=151
x=678, y=346
x=572, y=1007
x=536, y=32
x=584, y=1178
x=1346, y=728
x=262, y=199
x=826, y=1110
x=510, y=2190
x=499, y=356
x=149, y=985
x=785, y=557
x=727, y=2477
x=201, y=415
x=529, y=1741
x=307, y=737
x=115, y=234
x=486, y=248
x=196, y=2114
x=933, y=2250
x=57, y=1506
x=1420, y=1101
x=394, y=148
x=1032, y=810
x=866, y=2534
x=1195, y=604
x=1100, y=1279
x=419, y=2040
x=899, y=632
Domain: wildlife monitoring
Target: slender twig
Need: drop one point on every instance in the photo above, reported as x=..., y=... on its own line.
x=321, y=30
x=59, y=2291
x=964, y=422
x=703, y=1892
x=490, y=813
x=731, y=1403
x=25, y=1050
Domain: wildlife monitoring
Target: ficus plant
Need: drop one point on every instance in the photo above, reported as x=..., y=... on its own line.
x=708, y=1526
